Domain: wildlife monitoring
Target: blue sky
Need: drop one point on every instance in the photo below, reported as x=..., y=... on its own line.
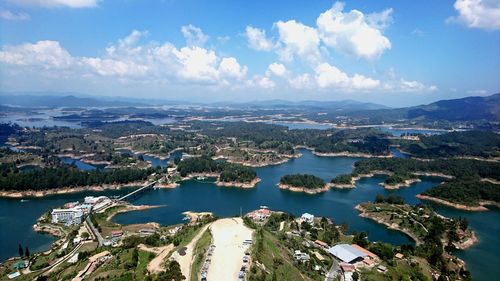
x=391, y=52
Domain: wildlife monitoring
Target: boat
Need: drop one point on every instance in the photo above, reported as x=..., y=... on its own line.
x=264, y=207
x=201, y=178
x=24, y=200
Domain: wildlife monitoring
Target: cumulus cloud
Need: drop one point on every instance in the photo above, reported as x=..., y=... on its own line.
x=45, y=54
x=229, y=67
x=194, y=36
x=261, y=82
x=484, y=14
x=277, y=69
x=302, y=81
x=328, y=76
x=298, y=40
x=257, y=39
x=8, y=15
x=127, y=59
x=354, y=34
x=58, y=3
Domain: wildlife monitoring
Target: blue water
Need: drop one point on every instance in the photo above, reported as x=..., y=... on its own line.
x=223, y=201
x=79, y=164
x=399, y=132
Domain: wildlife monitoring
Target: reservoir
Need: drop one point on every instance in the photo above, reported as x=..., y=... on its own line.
x=225, y=201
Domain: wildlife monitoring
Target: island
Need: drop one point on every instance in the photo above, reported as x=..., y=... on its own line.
x=303, y=183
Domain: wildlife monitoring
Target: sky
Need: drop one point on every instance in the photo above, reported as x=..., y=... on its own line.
x=396, y=53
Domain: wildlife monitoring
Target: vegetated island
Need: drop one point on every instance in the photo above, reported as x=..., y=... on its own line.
x=303, y=183
x=66, y=179
x=227, y=174
x=468, y=184
x=464, y=195
x=419, y=222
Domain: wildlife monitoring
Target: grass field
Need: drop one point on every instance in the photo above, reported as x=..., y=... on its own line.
x=199, y=253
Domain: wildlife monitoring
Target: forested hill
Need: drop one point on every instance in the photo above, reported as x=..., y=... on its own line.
x=463, y=109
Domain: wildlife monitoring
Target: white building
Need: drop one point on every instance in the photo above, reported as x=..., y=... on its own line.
x=307, y=217
x=302, y=257
x=67, y=216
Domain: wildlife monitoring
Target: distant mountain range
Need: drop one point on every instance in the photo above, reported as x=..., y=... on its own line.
x=310, y=104
x=463, y=109
x=27, y=100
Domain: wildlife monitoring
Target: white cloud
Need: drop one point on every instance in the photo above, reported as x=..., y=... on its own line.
x=194, y=36
x=298, y=39
x=8, y=15
x=483, y=14
x=229, y=67
x=58, y=3
x=257, y=39
x=380, y=20
x=302, y=81
x=46, y=54
x=261, y=82
x=110, y=67
x=127, y=59
x=277, y=69
x=328, y=76
x=352, y=34
x=403, y=85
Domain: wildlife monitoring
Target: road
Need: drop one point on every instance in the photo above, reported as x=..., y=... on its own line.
x=94, y=230
x=333, y=272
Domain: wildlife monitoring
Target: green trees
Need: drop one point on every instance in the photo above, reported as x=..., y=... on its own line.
x=50, y=178
x=303, y=180
x=172, y=272
x=342, y=179
x=466, y=192
x=228, y=172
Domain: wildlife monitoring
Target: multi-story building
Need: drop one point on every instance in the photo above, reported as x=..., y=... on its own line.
x=67, y=216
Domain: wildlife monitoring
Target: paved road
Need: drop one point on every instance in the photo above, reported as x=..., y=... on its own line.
x=94, y=230
x=333, y=272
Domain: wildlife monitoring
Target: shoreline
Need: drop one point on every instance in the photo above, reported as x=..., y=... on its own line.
x=406, y=183
x=480, y=208
x=461, y=245
x=65, y=190
x=250, y=184
x=392, y=226
x=131, y=208
x=303, y=189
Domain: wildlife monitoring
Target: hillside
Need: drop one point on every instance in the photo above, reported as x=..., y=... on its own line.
x=463, y=109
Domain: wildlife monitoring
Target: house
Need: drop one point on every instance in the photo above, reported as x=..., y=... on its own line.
x=382, y=268
x=301, y=257
x=260, y=214
x=67, y=216
x=321, y=243
x=347, y=270
x=307, y=217
x=116, y=233
x=399, y=256
x=143, y=232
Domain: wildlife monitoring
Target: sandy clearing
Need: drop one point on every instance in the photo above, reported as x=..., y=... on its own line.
x=186, y=260
x=228, y=236
x=156, y=264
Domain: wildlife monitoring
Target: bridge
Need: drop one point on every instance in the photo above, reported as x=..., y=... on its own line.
x=137, y=191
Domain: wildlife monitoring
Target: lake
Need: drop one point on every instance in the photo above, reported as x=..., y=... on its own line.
x=223, y=201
